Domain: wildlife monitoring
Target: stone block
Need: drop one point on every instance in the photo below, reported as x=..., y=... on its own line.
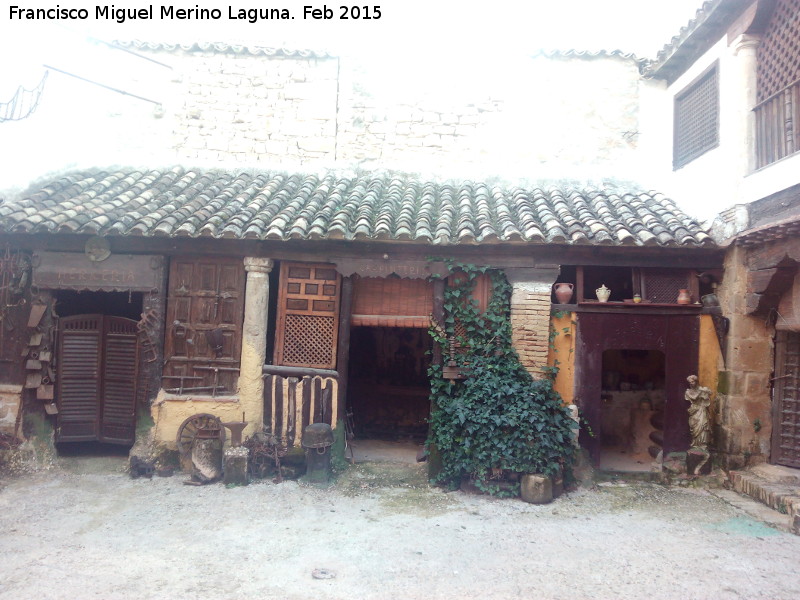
x=536, y=489
x=235, y=466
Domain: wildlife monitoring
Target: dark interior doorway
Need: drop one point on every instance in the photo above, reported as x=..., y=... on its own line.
x=118, y=304
x=97, y=371
x=388, y=389
x=632, y=409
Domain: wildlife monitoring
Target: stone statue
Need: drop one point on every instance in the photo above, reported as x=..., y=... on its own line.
x=699, y=398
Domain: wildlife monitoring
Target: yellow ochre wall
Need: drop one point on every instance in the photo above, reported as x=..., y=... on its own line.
x=562, y=349
x=710, y=361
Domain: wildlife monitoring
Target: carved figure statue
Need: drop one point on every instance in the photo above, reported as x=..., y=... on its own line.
x=699, y=398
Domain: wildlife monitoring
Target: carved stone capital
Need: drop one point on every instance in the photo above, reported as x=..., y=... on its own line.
x=745, y=42
x=253, y=264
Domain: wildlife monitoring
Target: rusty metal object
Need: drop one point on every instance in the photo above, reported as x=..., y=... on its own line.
x=202, y=425
x=266, y=450
x=236, y=427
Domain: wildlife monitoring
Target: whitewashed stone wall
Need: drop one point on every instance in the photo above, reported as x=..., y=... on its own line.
x=541, y=117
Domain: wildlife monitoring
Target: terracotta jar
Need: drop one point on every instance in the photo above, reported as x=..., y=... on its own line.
x=563, y=292
x=684, y=297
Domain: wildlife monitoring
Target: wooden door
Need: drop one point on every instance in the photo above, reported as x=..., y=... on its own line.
x=786, y=402
x=676, y=336
x=96, y=379
x=205, y=309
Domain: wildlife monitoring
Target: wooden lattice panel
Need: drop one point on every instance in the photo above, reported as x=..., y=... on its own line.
x=786, y=435
x=779, y=51
x=663, y=285
x=696, y=127
x=308, y=316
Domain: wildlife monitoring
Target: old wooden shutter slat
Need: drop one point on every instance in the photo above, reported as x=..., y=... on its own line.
x=786, y=414
x=78, y=378
x=119, y=381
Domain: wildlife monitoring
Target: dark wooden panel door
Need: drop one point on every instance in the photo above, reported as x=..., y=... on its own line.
x=676, y=336
x=205, y=309
x=786, y=407
x=96, y=379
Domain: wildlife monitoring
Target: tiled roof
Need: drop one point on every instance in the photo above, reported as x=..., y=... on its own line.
x=711, y=21
x=222, y=48
x=180, y=202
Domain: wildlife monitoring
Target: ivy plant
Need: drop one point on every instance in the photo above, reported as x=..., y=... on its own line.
x=498, y=419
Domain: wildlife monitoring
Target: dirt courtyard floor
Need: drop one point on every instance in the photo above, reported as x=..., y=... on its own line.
x=86, y=530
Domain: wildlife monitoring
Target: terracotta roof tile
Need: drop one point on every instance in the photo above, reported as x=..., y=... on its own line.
x=194, y=203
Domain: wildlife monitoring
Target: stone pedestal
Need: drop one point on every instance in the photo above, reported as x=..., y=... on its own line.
x=536, y=489
x=235, y=466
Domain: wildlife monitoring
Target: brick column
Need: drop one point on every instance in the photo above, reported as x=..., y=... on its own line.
x=254, y=341
x=530, y=315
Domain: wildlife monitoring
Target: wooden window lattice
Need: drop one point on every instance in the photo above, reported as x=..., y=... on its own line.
x=696, y=127
x=308, y=316
x=662, y=287
x=779, y=51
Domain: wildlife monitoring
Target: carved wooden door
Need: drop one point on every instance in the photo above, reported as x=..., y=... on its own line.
x=786, y=402
x=96, y=379
x=307, y=316
x=204, y=323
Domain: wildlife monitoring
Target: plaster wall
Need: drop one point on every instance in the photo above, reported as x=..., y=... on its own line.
x=169, y=412
x=10, y=401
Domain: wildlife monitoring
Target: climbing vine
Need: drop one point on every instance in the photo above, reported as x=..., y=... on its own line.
x=497, y=420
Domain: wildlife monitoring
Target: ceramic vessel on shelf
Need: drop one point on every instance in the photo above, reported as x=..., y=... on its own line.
x=563, y=292
x=637, y=298
x=603, y=293
x=684, y=297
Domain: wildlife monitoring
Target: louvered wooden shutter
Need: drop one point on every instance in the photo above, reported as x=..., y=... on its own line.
x=696, y=126
x=119, y=363
x=308, y=316
x=204, y=323
x=78, y=380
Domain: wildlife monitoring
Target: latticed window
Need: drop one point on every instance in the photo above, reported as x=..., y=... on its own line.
x=307, y=316
x=696, y=118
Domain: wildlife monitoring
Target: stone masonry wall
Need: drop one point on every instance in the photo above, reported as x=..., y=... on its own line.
x=544, y=117
x=743, y=428
x=251, y=109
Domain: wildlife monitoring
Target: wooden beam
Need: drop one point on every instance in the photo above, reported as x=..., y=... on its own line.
x=343, y=345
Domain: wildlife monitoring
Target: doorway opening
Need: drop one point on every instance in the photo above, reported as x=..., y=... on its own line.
x=388, y=387
x=632, y=409
x=96, y=371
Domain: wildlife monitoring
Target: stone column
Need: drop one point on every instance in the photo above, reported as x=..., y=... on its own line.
x=530, y=315
x=745, y=50
x=254, y=341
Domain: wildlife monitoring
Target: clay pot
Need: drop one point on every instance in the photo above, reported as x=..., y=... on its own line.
x=563, y=292
x=603, y=293
x=684, y=297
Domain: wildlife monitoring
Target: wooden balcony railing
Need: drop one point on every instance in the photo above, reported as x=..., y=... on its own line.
x=778, y=125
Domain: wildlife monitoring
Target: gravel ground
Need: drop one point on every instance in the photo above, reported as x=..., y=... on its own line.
x=86, y=530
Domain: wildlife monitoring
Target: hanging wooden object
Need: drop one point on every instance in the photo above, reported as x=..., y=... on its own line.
x=45, y=392
x=35, y=316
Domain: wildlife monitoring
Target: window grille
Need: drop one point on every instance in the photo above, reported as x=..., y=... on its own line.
x=696, y=119
x=779, y=51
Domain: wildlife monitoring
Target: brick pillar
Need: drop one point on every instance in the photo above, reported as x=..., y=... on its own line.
x=254, y=341
x=530, y=315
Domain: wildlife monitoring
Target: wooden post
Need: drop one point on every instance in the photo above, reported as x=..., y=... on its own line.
x=343, y=346
x=438, y=315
